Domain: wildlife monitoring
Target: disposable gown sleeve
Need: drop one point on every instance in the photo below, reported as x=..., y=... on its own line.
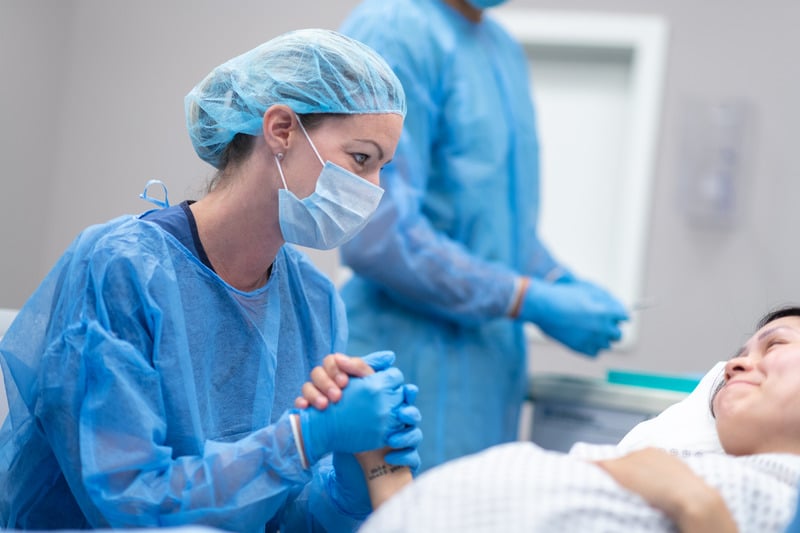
x=315, y=508
x=399, y=249
x=103, y=412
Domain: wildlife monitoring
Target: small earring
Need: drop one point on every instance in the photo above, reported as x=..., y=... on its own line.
x=279, y=156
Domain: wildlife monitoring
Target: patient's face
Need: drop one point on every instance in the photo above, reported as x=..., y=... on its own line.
x=758, y=408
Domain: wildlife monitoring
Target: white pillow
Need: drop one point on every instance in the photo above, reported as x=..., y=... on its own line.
x=686, y=425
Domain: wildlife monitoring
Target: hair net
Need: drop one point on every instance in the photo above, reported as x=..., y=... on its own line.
x=311, y=71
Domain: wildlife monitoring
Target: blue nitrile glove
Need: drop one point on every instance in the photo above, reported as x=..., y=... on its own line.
x=405, y=441
x=348, y=487
x=362, y=420
x=579, y=314
x=379, y=360
x=562, y=275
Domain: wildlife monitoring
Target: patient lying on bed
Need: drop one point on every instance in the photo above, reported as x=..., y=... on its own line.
x=745, y=480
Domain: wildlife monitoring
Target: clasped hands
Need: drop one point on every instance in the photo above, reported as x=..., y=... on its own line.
x=354, y=405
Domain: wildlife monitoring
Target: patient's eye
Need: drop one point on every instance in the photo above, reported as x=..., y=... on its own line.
x=772, y=342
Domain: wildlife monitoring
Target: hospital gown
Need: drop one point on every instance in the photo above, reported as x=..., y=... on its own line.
x=144, y=391
x=521, y=487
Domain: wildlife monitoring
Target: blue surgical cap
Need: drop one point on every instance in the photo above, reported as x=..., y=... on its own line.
x=311, y=71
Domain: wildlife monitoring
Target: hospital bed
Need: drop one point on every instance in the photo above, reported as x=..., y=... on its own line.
x=569, y=409
x=564, y=410
x=6, y=317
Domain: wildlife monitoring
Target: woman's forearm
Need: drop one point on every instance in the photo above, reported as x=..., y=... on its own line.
x=383, y=480
x=699, y=509
x=668, y=484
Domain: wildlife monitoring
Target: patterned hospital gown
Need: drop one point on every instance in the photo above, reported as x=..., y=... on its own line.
x=521, y=487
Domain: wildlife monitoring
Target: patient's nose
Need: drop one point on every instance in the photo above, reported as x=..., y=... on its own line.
x=737, y=365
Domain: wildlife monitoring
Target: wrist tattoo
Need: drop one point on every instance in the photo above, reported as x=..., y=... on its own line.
x=381, y=470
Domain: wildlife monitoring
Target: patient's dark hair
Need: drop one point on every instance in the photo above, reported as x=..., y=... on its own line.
x=772, y=316
x=778, y=313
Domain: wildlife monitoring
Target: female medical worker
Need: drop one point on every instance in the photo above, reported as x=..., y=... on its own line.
x=450, y=266
x=151, y=376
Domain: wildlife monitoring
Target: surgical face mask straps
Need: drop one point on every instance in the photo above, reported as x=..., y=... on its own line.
x=279, y=156
x=308, y=138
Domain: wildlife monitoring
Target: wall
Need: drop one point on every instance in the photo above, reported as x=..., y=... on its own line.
x=709, y=286
x=33, y=36
x=92, y=108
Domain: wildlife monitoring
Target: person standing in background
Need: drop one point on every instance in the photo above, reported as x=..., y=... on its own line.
x=451, y=266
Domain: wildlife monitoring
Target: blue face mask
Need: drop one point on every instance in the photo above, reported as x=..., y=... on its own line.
x=484, y=4
x=339, y=207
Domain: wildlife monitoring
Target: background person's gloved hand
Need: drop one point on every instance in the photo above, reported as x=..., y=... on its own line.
x=577, y=313
x=362, y=420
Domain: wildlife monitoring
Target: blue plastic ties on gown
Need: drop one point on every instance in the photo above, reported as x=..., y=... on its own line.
x=160, y=203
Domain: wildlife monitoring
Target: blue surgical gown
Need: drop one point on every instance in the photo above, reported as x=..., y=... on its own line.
x=434, y=270
x=144, y=391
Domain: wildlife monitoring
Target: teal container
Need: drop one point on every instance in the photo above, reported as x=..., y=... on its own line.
x=673, y=382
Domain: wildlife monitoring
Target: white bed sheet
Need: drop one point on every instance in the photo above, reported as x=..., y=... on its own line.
x=521, y=487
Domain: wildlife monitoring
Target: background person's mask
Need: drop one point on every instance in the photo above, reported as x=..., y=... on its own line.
x=485, y=4
x=339, y=207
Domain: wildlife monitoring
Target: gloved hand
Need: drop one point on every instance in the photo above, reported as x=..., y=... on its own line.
x=405, y=441
x=362, y=420
x=379, y=360
x=563, y=275
x=579, y=314
x=349, y=486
